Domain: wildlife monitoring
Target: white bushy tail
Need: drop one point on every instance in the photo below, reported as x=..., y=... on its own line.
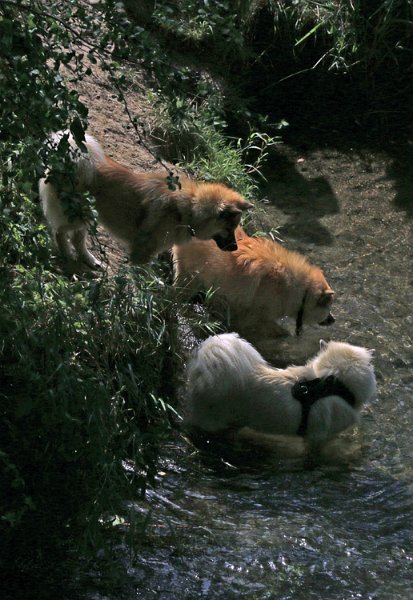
x=70, y=233
x=217, y=375
x=86, y=162
x=225, y=358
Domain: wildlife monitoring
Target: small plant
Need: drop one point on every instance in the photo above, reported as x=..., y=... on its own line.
x=234, y=162
x=354, y=35
x=181, y=113
x=217, y=21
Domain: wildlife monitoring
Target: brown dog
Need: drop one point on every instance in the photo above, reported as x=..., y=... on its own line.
x=257, y=284
x=138, y=209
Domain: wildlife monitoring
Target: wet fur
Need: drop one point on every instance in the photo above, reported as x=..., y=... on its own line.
x=138, y=209
x=232, y=388
x=259, y=283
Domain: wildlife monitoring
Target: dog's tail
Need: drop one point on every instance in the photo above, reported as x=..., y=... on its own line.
x=224, y=358
x=87, y=158
x=218, y=375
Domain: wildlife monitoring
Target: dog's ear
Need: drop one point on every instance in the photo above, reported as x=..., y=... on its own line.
x=230, y=211
x=231, y=215
x=323, y=345
x=325, y=298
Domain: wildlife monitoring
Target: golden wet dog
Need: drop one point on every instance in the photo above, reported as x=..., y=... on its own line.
x=256, y=285
x=140, y=210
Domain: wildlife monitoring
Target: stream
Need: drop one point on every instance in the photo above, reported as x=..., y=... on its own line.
x=332, y=527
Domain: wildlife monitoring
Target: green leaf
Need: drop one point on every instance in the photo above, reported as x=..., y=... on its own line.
x=309, y=33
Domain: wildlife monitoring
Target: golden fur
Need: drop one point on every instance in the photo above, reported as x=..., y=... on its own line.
x=257, y=284
x=138, y=209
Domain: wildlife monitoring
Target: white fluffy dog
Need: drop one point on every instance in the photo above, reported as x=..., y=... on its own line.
x=231, y=386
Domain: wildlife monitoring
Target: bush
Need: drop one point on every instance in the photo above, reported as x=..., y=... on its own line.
x=87, y=366
x=323, y=57
x=87, y=371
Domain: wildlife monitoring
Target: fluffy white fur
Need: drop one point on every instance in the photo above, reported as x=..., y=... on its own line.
x=231, y=386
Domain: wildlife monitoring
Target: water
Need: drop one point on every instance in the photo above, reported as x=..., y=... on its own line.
x=338, y=526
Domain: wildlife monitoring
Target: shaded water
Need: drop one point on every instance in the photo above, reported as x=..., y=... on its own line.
x=320, y=527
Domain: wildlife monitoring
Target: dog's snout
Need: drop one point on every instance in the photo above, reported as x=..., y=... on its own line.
x=329, y=321
x=225, y=243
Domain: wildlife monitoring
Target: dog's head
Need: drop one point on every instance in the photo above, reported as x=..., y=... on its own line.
x=350, y=369
x=229, y=218
x=316, y=305
x=217, y=213
x=352, y=365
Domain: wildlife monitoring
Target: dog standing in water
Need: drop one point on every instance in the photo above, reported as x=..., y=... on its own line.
x=231, y=387
x=138, y=209
x=257, y=284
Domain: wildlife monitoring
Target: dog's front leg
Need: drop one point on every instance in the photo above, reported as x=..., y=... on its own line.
x=276, y=330
x=266, y=330
x=285, y=446
x=142, y=250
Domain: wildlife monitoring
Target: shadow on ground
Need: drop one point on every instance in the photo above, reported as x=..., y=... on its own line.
x=304, y=199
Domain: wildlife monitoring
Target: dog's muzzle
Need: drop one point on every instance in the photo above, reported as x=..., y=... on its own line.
x=329, y=321
x=225, y=243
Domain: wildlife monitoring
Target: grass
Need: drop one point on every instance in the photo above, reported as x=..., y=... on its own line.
x=297, y=56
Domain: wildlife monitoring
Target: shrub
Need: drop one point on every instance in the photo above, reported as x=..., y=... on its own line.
x=87, y=365
x=88, y=378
